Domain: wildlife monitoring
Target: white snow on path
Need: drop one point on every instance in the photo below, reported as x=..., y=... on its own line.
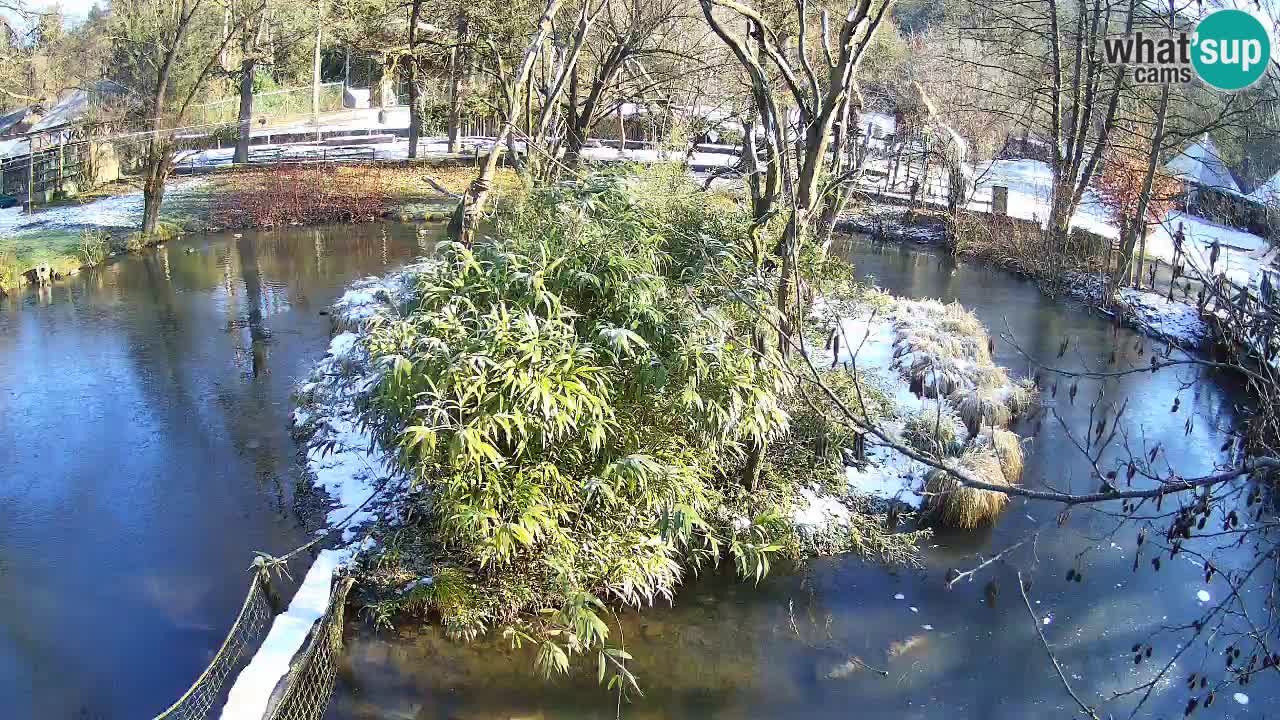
x=252, y=691
x=116, y=211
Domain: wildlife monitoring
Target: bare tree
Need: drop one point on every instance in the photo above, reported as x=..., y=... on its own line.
x=821, y=99
x=1053, y=78
x=513, y=85
x=165, y=53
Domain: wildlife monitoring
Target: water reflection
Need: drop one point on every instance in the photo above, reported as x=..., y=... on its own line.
x=146, y=454
x=830, y=639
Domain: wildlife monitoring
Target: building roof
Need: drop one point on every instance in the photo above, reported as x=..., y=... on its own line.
x=72, y=107
x=11, y=119
x=1267, y=193
x=1200, y=163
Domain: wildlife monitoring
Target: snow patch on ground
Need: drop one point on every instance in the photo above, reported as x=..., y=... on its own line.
x=882, y=347
x=431, y=147
x=116, y=211
x=888, y=475
x=815, y=511
x=1242, y=254
x=251, y=693
x=1171, y=320
x=342, y=453
x=1241, y=257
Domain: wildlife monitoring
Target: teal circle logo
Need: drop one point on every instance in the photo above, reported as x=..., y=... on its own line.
x=1231, y=49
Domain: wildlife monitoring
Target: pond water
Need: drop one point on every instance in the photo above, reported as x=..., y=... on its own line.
x=831, y=639
x=146, y=454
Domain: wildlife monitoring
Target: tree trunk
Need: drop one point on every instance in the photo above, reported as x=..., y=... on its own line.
x=1142, y=253
x=416, y=100
x=157, y=171
x=1129, y=238
x=788, y=249
x=574, y=136
x=833, y=201
x=581, y=121
x=622, y=132
x=315, y=68
x=957, y=181
x=247, y=68
x=416, y=109
x=466, y=217
x=457, y=60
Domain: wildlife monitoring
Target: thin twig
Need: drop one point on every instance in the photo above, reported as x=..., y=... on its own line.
x=1022, y=588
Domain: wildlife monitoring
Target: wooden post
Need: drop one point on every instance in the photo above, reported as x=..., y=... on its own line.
x=273, y=598
x=999, y=200
x=622, y=133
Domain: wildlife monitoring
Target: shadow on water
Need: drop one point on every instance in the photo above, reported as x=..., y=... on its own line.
x=146, y=455
x=809, y=642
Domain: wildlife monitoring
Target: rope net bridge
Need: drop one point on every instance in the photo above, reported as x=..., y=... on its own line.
x=306, y=688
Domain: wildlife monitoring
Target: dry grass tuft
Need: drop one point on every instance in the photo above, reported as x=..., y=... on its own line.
x=934, y=432
x=1008, y=448
x=984, y=406
x=1024, y=396
x=950, y=503
x=935, y=375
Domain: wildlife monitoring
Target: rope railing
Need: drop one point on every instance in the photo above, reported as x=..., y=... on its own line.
x=283, y=103
x=250, y=625
x=307, y=687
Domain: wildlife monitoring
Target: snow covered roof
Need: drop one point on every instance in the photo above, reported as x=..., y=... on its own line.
x=1201, y=163
x=65, y=111
x=13, y=118
x=1268, y=192
x=72, y=107
x=14, y=146
x=882, y=123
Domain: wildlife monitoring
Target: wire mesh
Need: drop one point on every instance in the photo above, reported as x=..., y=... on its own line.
x=309, y=685
x=255, y=616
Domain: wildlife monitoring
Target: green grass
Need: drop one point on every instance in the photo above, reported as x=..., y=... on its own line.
x=20, y=253
x=65, y=250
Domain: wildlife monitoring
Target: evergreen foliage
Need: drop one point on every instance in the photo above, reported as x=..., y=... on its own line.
x=577, y=396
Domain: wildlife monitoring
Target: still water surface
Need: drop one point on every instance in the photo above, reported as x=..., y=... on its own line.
x=145, y=454
x=787, y=648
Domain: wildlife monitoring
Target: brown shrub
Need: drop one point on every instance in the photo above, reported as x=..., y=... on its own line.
x=301, y=195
